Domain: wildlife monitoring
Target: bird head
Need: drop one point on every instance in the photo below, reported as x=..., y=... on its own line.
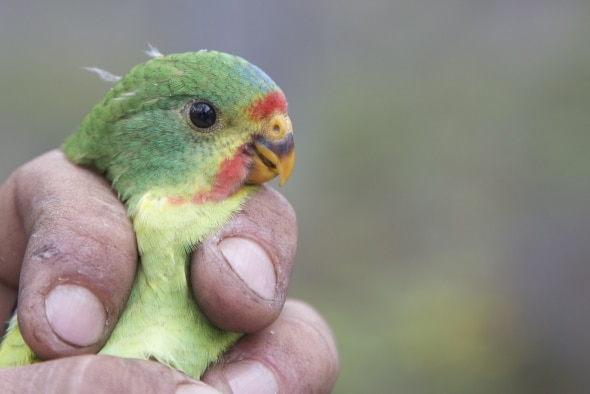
x=194, y=126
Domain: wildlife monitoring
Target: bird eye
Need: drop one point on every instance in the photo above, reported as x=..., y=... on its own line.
x=202, y=115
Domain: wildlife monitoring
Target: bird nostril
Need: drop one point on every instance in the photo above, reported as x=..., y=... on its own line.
x=277, y=127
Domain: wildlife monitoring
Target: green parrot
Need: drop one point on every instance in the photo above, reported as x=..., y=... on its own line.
x=184, y=140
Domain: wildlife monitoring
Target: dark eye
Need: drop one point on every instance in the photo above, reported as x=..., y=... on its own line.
x=202, y=115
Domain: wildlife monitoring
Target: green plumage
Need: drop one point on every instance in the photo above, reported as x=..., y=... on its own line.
x=180, y=183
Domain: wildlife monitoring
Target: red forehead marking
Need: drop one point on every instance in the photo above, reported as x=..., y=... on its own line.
x=274, y=101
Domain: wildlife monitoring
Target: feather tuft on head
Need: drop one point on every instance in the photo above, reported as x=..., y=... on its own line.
x=153, y=51
x=104, y=75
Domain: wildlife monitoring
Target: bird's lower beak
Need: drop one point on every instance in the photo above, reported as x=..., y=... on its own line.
x=274, y=152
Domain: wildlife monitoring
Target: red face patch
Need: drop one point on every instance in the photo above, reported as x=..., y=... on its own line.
x=229, y=178
x=274, y=101
x=230, y=175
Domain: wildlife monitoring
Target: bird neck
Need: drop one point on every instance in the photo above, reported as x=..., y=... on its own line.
x=168, y=231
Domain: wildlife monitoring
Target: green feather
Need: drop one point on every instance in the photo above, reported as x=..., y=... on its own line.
x=140, y=138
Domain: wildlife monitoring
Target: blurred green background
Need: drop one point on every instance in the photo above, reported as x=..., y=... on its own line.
x=442, y=183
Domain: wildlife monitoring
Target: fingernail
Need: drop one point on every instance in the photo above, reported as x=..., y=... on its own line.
x=75, y=314
x=251, y=262
x=247, y=377
x=195, y=389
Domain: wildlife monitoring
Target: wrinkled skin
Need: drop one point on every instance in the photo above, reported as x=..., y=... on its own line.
x=54, y=212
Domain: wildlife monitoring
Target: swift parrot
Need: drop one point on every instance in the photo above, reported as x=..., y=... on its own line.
x=184, y=140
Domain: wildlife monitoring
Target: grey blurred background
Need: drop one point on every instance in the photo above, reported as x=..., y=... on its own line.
x=442, y=183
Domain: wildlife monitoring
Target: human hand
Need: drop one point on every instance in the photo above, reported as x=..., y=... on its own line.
x=67, y=239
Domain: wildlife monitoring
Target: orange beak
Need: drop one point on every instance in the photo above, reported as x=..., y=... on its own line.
x=274, y=151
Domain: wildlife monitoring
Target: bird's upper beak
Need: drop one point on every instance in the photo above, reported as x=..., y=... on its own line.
x=274, y=151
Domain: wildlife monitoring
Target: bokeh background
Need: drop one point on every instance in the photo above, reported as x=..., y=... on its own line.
x=442, y=183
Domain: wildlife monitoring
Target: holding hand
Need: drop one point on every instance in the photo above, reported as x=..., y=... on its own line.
x=68, y=248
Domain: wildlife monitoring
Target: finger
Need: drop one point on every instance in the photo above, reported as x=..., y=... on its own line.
x=99, y=374
x=79, y=261
x=296, y=354
x=12, y=247
x=240, y=275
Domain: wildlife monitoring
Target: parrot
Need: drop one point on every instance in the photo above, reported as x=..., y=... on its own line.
x=184, y=140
